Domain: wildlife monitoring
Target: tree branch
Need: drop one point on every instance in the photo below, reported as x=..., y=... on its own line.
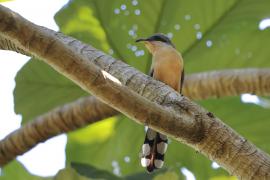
x=88, y=110
x=181, y=119
x=66, y=118
x=231, y=82
x=199, y=86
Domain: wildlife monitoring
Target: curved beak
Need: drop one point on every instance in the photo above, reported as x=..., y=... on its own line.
x=142, y=39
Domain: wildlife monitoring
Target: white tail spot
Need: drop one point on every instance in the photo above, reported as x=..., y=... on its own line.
x=158, y=163
x=162, y=147
x=145, y=162
x=145, y=149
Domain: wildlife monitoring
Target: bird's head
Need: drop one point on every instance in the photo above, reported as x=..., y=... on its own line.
x=156, y=41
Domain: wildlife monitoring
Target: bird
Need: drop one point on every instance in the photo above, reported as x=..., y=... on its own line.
x=168, y=67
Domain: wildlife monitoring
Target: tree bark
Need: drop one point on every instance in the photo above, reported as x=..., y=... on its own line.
x=7, y=44
x=178, y=116
x=230, y=82
x=197, y=86
x=66, y=118
x=88, y=110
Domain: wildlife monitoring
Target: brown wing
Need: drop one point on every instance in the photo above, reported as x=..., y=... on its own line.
x=151, y=73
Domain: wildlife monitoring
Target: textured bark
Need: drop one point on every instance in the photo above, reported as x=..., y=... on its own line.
x=204, y=85
x=7, y=44
x=62, y=119
x=88, y=110
x=231, y=82
x=181, y=119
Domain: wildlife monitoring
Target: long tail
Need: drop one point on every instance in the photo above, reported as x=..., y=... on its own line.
x=153, y=150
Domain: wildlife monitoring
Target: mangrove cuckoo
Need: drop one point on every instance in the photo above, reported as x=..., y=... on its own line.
x=168, y=67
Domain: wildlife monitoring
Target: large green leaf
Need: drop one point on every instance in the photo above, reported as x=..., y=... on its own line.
x=228, y=27
x=70, y=174
x=120, y=149
x=17, y=171
x=236, y=40
x=39, y=88
x=224, y=178
x=93, y=172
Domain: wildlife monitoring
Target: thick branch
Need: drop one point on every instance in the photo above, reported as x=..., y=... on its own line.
x=62, y=119
x=183, y=119
x=232, y=82
x=80, y=112
x=198, y=86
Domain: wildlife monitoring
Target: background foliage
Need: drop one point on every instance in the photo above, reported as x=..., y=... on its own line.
x=210, y=34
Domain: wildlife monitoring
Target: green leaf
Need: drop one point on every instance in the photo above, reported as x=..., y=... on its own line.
x=143, y=175
x=223, y=178
x=96, y=131
x=70, y=174
x=120, y=149
x=16, y=170
x=167, y=175
x=79, y=21
x=92, y=172
x=237, y=41
x=39, y=89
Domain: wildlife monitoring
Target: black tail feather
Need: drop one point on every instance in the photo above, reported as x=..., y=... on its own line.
x=153, y=150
